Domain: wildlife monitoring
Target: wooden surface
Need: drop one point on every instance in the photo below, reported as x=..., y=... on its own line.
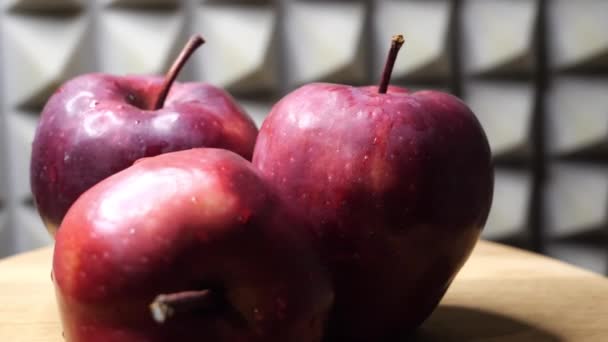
x=502, y=294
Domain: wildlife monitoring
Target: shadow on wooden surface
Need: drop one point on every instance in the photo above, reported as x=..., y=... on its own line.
x=455, y=323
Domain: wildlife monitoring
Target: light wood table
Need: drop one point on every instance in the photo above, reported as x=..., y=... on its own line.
x=501, y=294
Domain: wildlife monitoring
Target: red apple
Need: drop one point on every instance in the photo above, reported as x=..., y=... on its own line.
x=202, y=229
x=398, y=185
x=98, y=124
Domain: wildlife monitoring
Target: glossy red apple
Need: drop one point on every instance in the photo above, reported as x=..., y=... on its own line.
x=205, y=231
x=98, y=124
x=398, y=185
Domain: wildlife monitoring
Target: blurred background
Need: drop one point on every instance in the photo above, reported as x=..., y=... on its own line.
x=534, y=71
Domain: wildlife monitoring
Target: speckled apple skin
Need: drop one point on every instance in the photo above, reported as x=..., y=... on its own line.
x=97, y=124
x=187, y=220
x=397, y=186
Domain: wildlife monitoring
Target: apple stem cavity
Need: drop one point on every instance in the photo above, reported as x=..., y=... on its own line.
x=396, y=43
x=166, y=306
x=193, y=43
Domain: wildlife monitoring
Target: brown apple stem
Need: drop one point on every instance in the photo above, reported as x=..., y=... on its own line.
x=193, y=43
x=396, y=43
x=169, y=305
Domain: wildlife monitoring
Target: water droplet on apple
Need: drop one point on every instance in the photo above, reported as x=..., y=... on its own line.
x=132, y=231
x=292, y=159
x=194, y=199
x=375, y=141
x=66, y=157
x=365, y=157
x=137, y=122
x=93, y=104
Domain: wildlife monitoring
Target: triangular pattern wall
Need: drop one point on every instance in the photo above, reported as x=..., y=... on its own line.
x=535, y=72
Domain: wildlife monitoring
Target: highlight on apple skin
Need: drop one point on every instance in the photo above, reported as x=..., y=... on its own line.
x=201, y=240
x=98, y=124
x=397, y=185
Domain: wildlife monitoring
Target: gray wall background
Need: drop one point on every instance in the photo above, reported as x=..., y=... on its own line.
x=534, y=71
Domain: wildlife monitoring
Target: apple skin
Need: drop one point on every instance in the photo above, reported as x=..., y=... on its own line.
x=187, y=220
x=398, y=187
x=98, y=124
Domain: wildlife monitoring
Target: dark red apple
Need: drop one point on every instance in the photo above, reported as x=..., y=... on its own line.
x=398, y=185
x=98, y=124
x=204, y=231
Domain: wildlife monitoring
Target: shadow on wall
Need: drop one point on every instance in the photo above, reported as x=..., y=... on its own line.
x=455, y=323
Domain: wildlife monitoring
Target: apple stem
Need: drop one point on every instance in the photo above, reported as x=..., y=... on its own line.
x=166, y=306
x=396, y=43
x=193, y=43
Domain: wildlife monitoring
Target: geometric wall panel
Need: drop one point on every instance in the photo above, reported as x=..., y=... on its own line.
x=498, y=36
x=576, y=198
x=21, y=129
x=32, y=233
x=490, y=52
x=578, y=38
x=577, y=111
x=593, y=258
x=141, y=3
x=504, y=110
x=3, y=201
x=4, y=210
x=139, y=42
x=325, y=42
x=509, y=212
x=258, y=110
x=425, y=25
x=42, y=5
x=6, y=242
x=242, y=60
x=40, y=53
